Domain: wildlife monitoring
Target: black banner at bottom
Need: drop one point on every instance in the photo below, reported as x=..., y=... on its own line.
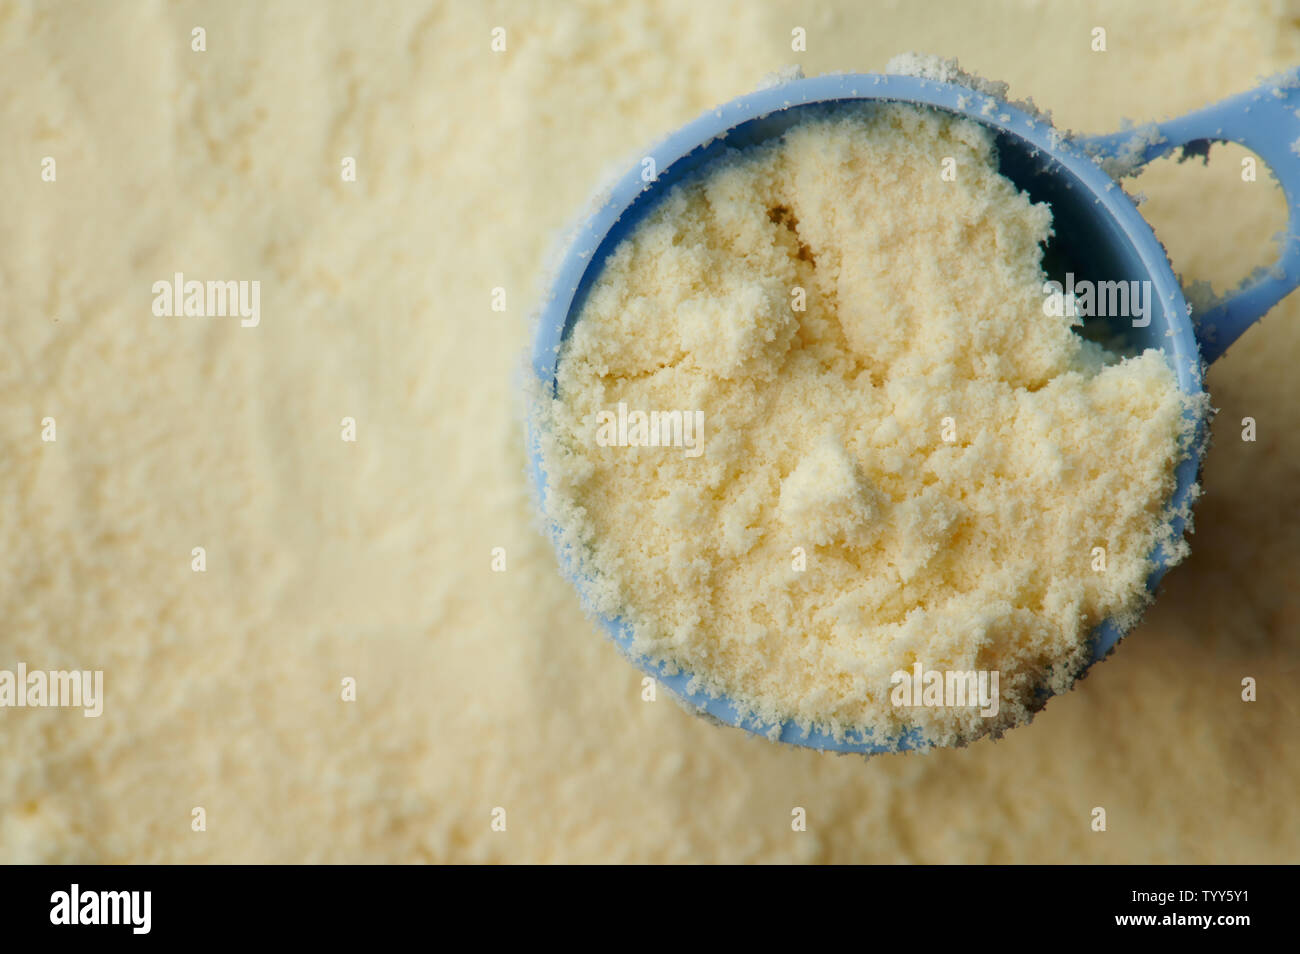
x=332, y=904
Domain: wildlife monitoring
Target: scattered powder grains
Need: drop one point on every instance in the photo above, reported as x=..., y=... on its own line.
x=945, y=456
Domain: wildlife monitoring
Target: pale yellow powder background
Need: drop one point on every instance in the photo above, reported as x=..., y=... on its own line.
x=372, y=560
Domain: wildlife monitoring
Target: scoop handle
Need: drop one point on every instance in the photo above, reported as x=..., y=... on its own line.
x=1265, y=120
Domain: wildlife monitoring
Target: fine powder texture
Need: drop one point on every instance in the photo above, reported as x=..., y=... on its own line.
x=479, y=689
x=903, y=460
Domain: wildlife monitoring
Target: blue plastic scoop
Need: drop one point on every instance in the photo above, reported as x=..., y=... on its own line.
x=1099, y=231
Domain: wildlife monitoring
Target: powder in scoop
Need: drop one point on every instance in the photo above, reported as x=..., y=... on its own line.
x=905, y=464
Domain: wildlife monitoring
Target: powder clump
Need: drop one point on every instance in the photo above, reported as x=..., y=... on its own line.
x=906, y=463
